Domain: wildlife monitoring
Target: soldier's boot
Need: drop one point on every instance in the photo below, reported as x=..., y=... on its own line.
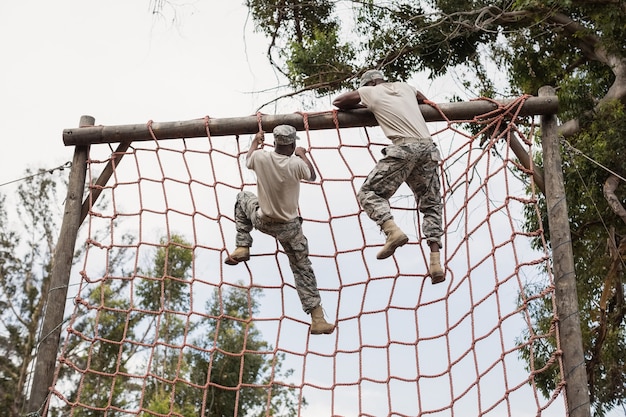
x=395, y=239
x=242, y=253
x=437, y=274
x=319, y=325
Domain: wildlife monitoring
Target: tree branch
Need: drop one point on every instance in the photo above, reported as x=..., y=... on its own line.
x=610, y=185
x=593, y=50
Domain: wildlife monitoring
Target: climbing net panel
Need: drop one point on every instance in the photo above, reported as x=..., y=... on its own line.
x=160, y=326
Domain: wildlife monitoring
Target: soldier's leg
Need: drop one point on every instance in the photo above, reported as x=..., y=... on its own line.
x=246, y=207
x=424, y=182
x=381, y=183
x=296, y=247
x=431, y=206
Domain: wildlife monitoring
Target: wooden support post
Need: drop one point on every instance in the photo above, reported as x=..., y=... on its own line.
x=48, y=346
x=525, y=159
x=102, y=180
x=576, y=389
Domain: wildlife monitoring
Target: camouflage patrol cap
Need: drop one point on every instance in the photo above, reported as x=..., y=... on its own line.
x=371, y=75
x=284, y=135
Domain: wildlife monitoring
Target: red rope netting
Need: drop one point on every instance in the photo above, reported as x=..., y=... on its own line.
x=161, y=327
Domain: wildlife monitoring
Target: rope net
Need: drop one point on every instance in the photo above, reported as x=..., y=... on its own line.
x=160, y=326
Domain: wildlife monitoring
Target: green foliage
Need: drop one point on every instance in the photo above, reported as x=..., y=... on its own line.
x=314, y=51
x=166, y=293
x=283, y=18
x=307, y=36
x=25, y=266
x=594, y=223
x=106, y=330
x=229, y=347
x=167, y=285
x=242, y=368
x=162, y=404
x=95, y=343
x=323, y=58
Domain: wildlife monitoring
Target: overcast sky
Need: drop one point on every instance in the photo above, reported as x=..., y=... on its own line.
x=118, y=62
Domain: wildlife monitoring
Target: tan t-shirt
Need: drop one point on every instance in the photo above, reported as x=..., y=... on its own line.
x=278, y=182
x=396, y=109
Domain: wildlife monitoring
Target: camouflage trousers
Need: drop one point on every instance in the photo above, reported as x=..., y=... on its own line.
x=291, y=238
x=416, y=164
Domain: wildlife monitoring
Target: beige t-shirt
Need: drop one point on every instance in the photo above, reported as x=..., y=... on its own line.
x=396, y=109
x=278, y=182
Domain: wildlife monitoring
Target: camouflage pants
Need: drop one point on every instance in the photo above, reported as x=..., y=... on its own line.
x=291, y=238
x=416, y=164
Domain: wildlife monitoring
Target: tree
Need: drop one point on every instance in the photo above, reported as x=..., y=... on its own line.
x=242, y=370
x=96, y=341
x=108, y=324
x=576, y=46
x=97, y=329
x=229, y=345
x=25, y=266
x=177, y=365
x=599, y=245
x=165, y=294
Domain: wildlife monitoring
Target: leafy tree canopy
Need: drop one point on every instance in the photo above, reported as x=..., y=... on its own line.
x=243, y=359
x=26, y=249
x=575, y=46
x=220, y=363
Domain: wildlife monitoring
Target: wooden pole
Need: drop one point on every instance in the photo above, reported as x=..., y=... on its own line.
x=102, y=180
x=61, y=266
x=316, y=121
x=576, y=388
x=526, y=160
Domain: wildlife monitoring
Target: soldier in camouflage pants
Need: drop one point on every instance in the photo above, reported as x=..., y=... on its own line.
x=275, y=211
x=413, y=158
x=290, y=236
x=416, y=164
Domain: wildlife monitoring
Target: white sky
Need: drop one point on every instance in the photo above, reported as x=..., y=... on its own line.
x=117, y=62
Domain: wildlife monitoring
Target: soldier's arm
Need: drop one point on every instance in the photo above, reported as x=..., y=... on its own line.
x=257, y=143
x=349, y=100
x=301, y=153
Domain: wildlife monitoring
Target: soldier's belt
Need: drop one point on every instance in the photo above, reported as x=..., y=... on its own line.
x=404, y=141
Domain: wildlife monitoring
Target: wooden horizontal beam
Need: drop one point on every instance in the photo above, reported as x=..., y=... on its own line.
x=90, y=135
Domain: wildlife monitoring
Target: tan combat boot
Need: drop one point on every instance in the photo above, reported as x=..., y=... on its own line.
x=242, y=253
x=436, y=272
x=318, y=323
x=395, y=239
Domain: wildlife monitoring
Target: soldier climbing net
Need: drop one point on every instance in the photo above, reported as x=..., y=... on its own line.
x=161, y=327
